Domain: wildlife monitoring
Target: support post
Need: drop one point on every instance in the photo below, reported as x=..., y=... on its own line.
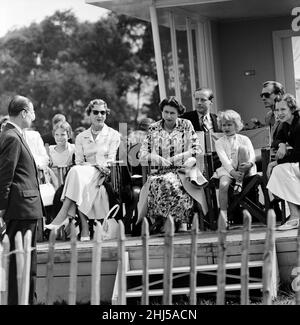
x=157, y=51
x=201, y=59
x=191, y=57
x=174, y=55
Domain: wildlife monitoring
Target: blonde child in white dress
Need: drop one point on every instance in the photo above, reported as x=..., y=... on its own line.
x=236, y=154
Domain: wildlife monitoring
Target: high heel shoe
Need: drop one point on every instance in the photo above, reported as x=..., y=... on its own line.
x=56, y=227
x=85, y=238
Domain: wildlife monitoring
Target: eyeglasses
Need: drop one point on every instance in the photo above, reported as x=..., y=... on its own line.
x=266, y=95
x=96, y=112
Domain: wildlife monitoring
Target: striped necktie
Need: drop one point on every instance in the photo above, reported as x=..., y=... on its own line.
x=202, y=123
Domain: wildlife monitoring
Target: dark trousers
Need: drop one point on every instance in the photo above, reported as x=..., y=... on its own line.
x=13, y=226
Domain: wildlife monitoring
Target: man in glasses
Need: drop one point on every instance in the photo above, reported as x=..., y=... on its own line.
x=20, y=200
x=272, y=92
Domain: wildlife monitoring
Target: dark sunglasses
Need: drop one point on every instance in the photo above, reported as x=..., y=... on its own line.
x=95, y=112
x=266, y=95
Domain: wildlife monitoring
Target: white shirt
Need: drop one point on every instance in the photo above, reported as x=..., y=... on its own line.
x=36, y=146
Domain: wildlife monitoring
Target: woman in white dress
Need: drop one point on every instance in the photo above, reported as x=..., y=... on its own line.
x=236, y=154
x=94, y=149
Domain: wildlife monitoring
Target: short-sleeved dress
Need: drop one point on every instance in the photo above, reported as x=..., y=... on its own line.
x=64, y=158
x=167, y=195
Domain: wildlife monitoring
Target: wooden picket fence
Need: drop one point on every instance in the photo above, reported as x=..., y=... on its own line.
x=23, y=259
x=268, y=283
x=23, y=254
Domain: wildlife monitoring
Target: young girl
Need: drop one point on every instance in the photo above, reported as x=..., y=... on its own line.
x=236, y=154
x=62, y=154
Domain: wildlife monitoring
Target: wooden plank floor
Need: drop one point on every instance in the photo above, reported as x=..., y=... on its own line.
x=207, y=254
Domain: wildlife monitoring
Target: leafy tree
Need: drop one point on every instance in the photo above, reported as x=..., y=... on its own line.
x=62, y=64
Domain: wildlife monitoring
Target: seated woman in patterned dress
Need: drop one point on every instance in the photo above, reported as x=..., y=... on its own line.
x=84, y=186
x=171, y=147
x=284, y=172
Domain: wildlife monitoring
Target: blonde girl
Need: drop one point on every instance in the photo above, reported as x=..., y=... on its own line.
x=236, y=154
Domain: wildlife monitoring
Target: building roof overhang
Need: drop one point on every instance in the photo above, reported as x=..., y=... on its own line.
x=200, y=10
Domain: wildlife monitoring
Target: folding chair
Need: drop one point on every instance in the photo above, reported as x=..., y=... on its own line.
x=206, y=162
x=248, y=198
x=131, y=186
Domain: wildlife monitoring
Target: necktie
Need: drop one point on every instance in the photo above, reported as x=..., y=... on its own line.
x=202, y=118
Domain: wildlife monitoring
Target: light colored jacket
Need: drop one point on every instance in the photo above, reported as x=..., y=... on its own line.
x=227, y=150
x=99, y=151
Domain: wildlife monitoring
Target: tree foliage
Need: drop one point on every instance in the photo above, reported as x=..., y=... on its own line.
x=62, y=64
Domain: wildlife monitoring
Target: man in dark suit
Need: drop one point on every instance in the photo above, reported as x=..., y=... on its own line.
x=201, y=118
x=272, y=92
x=20, y=199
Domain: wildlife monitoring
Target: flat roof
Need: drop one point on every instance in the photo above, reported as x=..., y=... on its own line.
x=221, y=10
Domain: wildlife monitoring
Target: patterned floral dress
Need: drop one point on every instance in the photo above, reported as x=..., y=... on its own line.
x=166, y=193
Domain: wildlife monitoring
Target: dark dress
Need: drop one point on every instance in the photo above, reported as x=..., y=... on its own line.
x=285, y=178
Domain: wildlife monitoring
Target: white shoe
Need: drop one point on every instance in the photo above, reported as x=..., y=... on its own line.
x=85, y=238
x=290, y=224
x=56, y=227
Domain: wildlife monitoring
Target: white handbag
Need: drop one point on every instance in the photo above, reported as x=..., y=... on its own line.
x=110, y=227
x=47, y=193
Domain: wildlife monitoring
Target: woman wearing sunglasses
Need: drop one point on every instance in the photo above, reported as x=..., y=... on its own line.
x=171, y=148
x=95, y=148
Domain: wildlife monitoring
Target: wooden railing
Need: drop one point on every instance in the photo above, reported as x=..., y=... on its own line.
x=267, y=264
x=23, y=259
x=267, y=284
